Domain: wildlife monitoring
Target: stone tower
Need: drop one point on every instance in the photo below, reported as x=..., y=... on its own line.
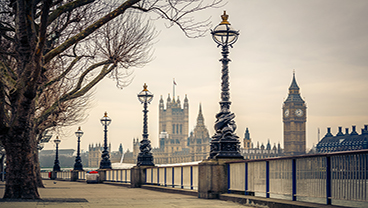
x=294, y=119
x=247, y=140
x=174, y=120
x=199, y=139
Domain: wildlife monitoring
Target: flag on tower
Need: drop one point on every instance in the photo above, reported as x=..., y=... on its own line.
x=174, y=82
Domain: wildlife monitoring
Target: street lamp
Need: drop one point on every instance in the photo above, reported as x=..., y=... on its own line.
x=105, y=162
x=56, y=163
x=145, y=157
x=78, y=161
x=224, y=143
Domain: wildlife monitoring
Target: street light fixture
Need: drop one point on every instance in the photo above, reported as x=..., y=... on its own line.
x=105, y=162
x=224, y=143
x=78, y=161
x=145, y=157
x=56, y=163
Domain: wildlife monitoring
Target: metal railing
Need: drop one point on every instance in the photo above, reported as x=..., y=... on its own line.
x=82, y=175
x=65, y=174
x=335, y=176
x=118, y=175
x=183, y=176
x=44, y=175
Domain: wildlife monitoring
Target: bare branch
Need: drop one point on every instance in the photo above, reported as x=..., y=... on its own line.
x=89, y=30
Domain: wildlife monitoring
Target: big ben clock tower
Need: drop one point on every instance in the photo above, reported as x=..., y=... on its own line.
x=294, y=118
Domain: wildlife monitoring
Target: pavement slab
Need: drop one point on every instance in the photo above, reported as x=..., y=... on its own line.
x=82, y=195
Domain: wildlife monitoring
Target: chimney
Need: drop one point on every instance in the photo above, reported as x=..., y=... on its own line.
x=340, y=132
x=328, y=134
x=346, y=131
x=353, y=131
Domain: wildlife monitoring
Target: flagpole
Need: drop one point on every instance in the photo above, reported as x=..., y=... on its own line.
x=174, y=89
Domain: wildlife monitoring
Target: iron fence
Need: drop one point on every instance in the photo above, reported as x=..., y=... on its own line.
x=332, y=176
x=183, y=176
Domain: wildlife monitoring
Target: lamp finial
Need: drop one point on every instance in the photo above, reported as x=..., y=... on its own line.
x=145, y=87
x=224, y=19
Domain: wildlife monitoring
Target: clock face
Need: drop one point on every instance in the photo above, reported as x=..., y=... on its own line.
x=286, y=113
x=298, y=112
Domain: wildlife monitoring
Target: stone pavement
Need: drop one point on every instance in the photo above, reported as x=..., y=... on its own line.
x=79, y=194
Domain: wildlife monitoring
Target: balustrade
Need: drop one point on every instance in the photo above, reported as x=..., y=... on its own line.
x=341, y=176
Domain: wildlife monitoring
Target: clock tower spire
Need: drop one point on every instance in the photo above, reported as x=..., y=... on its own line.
x=294, y=119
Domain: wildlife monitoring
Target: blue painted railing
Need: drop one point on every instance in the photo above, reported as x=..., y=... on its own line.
x=339, y=176
x=184, y=176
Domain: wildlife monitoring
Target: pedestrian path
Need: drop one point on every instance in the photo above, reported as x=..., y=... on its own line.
x=78, y=194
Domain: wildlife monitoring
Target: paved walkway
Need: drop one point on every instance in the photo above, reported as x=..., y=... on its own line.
x=79, y=194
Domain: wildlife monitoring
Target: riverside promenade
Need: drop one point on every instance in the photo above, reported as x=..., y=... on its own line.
x=80, y=194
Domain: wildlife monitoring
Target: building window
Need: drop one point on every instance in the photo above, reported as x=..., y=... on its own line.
x=181, y=128
x=173, y=128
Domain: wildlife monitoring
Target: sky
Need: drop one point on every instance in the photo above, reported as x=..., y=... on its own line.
x=325, y=42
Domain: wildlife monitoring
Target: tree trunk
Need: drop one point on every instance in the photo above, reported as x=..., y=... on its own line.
x=38, y=170
x=20, y=168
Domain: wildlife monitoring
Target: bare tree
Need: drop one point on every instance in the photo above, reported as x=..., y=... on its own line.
x=52, y=54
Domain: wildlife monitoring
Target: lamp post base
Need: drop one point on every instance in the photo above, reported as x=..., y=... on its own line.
x=78, y=166
x=145, y=159
x=56, y=167
x=225, y=148
x=105, y=164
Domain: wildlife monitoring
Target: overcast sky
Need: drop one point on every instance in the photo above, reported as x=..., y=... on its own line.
x=326, y=42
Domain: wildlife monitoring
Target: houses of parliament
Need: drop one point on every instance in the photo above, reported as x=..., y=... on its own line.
x=177, y=146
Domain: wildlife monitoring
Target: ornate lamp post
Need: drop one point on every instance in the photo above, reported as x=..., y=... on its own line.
x=145, y=157
x=224, y=143
x=56, y=163
x=105, y=162
x=78, y=161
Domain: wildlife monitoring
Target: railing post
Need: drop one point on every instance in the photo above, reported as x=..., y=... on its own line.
x=145, y=176
x=158, y=176
x=151, y=175
x=191, y=177
x=173, y=184
x=228, y=178
x=293, y=178
x=165, y=182
x=267, y=179
x=246, y=179
x=182, y=176
x=328, y=180
x=126, y=176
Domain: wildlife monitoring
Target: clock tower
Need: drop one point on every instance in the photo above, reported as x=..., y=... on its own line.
x=294, y=118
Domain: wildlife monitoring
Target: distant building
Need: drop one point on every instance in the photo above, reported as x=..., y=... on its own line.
x=175, y=146
x=69, y=152
x=94, y=156
x=294, y=119
x=259, y=152
x=347, y=141
x=199, y=139
x=66, y=158
x=95, y=153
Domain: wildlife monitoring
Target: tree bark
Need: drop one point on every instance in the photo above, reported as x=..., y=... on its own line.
x=38, y=170
x=21, y=183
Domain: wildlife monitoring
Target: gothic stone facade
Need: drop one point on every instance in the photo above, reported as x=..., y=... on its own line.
x=175, y=146
x=95, y=152
x=249, y=151
x=294, y=119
